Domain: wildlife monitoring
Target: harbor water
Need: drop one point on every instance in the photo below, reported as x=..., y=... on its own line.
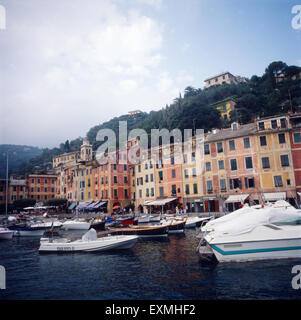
x=166, y=269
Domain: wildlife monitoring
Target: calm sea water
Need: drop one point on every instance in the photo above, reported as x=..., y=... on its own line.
x=152, y=269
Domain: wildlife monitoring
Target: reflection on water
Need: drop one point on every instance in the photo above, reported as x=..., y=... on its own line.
x=166, y=268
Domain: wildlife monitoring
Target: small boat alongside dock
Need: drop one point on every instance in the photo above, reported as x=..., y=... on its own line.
x=142, y=231
x=88, y=243
x=6, y=234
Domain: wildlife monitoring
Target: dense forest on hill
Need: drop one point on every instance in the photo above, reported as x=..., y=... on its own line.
x=260, y=96
x=16, y=156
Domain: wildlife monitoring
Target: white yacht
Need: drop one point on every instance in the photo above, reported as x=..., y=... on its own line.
x=272, y=232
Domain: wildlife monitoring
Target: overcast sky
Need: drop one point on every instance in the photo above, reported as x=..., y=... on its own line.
x=67, y=65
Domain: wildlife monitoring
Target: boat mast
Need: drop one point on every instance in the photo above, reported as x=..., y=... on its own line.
x=6, y=200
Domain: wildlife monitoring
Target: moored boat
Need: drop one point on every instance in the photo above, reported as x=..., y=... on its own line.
x=98, y=224
x=142, y=231
x=176, y=226
x=196, y=222
x=27, y=231
x=76, y=224
x=6, y=234
x=255, y=234
x=88, y=243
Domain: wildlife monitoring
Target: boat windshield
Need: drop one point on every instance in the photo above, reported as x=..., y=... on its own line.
x=294, y=221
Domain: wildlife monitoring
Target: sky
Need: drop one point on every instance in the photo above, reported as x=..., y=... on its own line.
x=68, y=65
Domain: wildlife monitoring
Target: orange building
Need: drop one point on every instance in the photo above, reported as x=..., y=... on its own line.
x=41, y=187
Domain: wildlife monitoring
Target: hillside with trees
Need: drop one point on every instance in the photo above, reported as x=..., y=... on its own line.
x=277, y=91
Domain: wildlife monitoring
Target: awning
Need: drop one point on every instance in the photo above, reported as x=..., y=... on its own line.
x=98, y=204
x=83, y=205
x=72, y=205
x=237, y=198
x=274, y=196
x=116, y=207
x=159, y=202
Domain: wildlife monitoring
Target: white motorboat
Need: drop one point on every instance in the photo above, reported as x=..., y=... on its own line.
x=254, y=234
x=27, y=231
x=89, y=242
x=77, y=224
x=47, y=224
x=6, y=234
x=193, y=222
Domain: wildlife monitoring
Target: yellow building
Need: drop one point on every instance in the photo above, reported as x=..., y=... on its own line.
x=225, y=107
x=192, y=178
x=275, y=163
x=144, y=181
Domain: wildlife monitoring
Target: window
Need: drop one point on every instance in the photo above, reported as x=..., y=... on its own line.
x=186, y=174
x=297, y=137
x=39, y=181
x=172, y=160
x=32, y=180
x=221, y=164
x=161, y=190
x=220, y=147
x=278, y=181
x=173, y=173
x=232, y=145
x=45, y=181
x=249, y=182
x=249, y=162
x=114, y=166
x=193, y=157
x=274, y=124
x=173, y=190
x=146, y=178
x=145, y=166
x=152, y=192
x=126, y=195
x=281, y=138
x=195, y=188
x=206, y=149
x=139, y=168
x=284, y=160
x=283, y=123
x=187, y=191
x=224, y=107
x=45, y=190
x=222, y=183
x=263, y=140
x=160, y=175
x=125, y=167
x=115, y=193
x=233, y=164
x=115, y=179
x=208, y=166
x=235, y=184
x=140, y=193
x=125, y=179
x=106, y=194
x=209, y=186
x=150, y=164
x=193, y=172
x=147, y=192
x=265, y=162
x=246, y=143
x=288, y=182
x=185, y=158
x=151, y=177
x=261, y=125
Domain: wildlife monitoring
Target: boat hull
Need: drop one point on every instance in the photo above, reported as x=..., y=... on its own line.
x=6, y=234
x=257, y=250
x=144, y=232
x=76, y=226
x=101, y=244
x=28, y=232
